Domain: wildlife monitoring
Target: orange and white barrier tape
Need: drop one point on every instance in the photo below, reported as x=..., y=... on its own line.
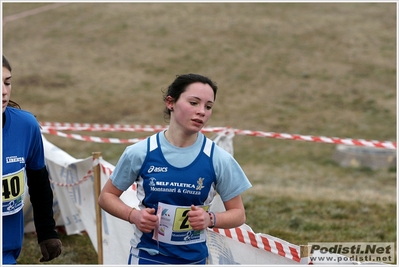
x=242, y=235
x=262, y=241
x=87, y=176
x=54, y=128
x=107, y=171
x=91, y=138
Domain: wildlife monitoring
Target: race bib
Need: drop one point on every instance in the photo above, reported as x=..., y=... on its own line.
x=13, y=192
x=174, y=227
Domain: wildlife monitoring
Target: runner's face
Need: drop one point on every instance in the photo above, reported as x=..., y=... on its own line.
x=194, y=107
x=6, y=87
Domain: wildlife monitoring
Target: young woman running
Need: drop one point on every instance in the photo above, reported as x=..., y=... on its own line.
x=178, y=172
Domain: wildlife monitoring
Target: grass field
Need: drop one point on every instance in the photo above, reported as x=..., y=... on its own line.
x=321, y=69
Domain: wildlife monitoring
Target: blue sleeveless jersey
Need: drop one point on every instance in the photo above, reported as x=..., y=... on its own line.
x=159, y=181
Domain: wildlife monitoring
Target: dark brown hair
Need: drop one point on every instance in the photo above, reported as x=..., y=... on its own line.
x=7, y=65
x=180, y=85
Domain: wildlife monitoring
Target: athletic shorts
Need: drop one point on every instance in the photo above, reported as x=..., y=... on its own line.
x=139, y=257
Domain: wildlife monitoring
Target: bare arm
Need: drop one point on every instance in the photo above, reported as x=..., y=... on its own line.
x=109, y=200
x=234, y=215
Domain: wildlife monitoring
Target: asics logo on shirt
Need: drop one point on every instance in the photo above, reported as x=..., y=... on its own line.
x=157, y=169
x=13, y=159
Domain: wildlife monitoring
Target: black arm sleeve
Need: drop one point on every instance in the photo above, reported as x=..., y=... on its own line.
x=41, y=197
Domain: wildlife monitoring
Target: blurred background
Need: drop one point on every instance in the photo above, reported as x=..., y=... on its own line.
x=320, y=69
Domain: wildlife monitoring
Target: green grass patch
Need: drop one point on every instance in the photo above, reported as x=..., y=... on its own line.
x=303, y=221
x=77, y=249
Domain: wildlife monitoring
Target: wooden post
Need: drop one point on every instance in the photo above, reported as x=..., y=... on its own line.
x=97, y=190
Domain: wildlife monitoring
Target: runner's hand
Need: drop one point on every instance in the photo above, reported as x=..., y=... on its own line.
x=146, y=220
x=198, y=218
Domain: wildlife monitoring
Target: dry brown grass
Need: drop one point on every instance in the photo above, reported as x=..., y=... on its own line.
x=301, y=68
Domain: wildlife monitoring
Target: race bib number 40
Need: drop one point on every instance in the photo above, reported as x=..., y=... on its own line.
x=174, y=227
x=13, y=192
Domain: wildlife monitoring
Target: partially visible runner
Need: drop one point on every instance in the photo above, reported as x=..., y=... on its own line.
x=24, y=167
